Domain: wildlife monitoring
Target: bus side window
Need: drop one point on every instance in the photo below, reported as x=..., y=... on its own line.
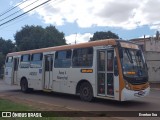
x=9, y=61
x=25, y=61
x=110, y=57
x=82, y=57
x=36, y=60
x=63, y=59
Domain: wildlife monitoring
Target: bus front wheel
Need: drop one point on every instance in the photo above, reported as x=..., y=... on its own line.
x=86, y=92
x=24, y=85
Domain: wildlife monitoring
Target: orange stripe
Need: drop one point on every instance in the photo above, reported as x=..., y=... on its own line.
x=121, y=81
x=65, y=47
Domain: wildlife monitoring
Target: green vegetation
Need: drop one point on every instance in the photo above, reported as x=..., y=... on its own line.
x=6, y=105
x=28, y=38
x=103, y=35
x=6, y=46
x=35, y=37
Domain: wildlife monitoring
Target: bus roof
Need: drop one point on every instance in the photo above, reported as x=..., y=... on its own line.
x=65, y=47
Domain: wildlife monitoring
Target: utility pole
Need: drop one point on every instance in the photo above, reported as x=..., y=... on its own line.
x=76, y=38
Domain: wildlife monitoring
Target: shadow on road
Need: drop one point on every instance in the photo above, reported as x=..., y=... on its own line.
x=121, y=103
x=124, y=104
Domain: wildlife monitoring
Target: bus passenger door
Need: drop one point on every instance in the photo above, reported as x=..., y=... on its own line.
x=15, y=70
x=48, y=68
x=105, y=73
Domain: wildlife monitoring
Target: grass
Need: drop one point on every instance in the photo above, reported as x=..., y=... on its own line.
x=6, y=105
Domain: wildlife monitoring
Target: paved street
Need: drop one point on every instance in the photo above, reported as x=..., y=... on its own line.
x=149, y=103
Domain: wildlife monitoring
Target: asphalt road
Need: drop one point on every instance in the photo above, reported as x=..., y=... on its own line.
x=149, y=103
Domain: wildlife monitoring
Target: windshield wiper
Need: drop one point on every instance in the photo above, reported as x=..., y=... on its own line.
x=129, y=55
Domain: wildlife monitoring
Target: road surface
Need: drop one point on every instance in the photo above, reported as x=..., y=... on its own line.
x=70, y=102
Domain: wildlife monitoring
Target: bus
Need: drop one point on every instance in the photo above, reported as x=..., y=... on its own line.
x=108, y=69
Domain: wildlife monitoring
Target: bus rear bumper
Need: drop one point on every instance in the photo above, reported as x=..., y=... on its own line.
x=130, y=94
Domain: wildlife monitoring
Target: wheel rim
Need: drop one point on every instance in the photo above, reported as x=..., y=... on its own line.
x=85, y=92
x=23, y=86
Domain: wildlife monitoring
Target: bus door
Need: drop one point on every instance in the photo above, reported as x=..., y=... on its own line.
x=48, y=68
x=15, y=70
x=105, y=73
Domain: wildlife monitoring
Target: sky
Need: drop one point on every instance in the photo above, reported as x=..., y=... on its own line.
x=80, y=19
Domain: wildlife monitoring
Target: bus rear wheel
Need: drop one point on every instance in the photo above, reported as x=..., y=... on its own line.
x=24, y=85
x=86, y=92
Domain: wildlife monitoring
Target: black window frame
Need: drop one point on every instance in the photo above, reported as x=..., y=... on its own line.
x=67, y=59
x=9, y=64
x=25, y=63
x=39, y=62
x=29, y=56
x=76, y=52
x=8, y=59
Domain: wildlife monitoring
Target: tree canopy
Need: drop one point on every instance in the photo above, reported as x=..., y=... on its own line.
x=6, y=46
x=103, y=35
x=34, y=37
x=31, y=37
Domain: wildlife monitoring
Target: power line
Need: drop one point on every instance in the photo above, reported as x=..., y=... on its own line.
x=12, y=8
x=18, y=11
x=25, y=12
x=13, y=23
x=23, y=17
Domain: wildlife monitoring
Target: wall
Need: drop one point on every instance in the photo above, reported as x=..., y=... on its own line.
x=152, y=45
x=153, y=63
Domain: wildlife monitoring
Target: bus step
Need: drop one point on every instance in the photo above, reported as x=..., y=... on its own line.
x=47, y=90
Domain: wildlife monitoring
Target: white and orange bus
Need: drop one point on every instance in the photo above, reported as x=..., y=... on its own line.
x=107, y=69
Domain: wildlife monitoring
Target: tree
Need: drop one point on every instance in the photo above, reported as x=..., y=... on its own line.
x=6, y=46
x=103, y=35
x=2, y=60
x=34, y=37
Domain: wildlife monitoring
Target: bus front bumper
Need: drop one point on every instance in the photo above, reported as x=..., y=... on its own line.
x=130, y=94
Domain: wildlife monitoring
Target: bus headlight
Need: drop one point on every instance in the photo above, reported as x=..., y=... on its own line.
x=127, y=85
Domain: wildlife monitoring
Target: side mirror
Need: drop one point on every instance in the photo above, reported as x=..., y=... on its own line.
x=115, y=67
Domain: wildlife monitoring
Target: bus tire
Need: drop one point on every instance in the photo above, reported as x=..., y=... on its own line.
x=24, y=86
x=86, y=92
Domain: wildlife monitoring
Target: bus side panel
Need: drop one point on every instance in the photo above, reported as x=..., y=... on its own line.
x=116, y=87
x=65, y=80
x=35, y=78
x=8, y=75
x=22, y=73
x=77, y=75
x=116, y=82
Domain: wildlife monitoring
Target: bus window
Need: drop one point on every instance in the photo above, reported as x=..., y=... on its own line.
x=134, y=67
x=110, y=57
x=9, y=61
x=82, y=57
x=63, y=59
x=25, y=61
x=36, y=60
x=101, y=61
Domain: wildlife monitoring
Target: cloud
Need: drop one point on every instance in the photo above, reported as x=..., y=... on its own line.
x=126, y=14
x=11, y=3
x=79, y=38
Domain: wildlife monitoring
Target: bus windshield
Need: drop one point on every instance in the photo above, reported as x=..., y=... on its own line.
x=134, y=66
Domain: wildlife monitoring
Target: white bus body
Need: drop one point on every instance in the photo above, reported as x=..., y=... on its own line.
x=56, y=69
